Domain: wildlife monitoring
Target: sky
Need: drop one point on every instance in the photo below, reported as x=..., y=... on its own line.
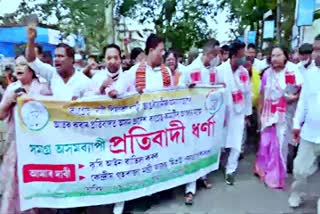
x=222, y=27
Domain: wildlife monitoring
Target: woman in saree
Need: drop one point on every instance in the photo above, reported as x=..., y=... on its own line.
x=280, y=86
x=27, y=83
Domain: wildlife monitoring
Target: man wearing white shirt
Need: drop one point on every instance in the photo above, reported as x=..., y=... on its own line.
x=102, y=79
x=238, y=103
x=65, y=83
x=305, y=64
x=306, y=125
x=305, y=55
x=150, y=75
x=201, y=71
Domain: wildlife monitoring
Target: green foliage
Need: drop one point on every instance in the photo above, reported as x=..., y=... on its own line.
x=250, y=12
x=72, y=15
x=182, y=23
x=187, y=21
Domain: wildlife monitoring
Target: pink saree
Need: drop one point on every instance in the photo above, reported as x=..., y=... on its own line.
x=269, y=165
x=270, y=159
x=8, y=171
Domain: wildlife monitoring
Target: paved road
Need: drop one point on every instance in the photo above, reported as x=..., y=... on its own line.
x=247, y=196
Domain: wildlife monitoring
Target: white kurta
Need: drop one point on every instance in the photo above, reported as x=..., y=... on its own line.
x=196, y=65
x=127, y=80
x=308, y=112
x=99, y=77
x=76, y=86
x=235, y=114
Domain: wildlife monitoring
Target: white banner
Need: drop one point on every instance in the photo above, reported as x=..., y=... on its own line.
x=73, y=154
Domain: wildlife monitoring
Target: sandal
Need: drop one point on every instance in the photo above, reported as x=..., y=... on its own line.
x=206, y=184
x=188, y=198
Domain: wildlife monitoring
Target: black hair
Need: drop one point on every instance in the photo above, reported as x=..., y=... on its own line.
x=40, y=49
x=235, y=47
x=210, y=45
x=171, y=52
x=69, y=50
x=175, y=55
x=8, y=68
x=92, y=56
x=285, y=51
x=225, y=48
x=306, y=48
x=135, y=53
x=152, y=42
x=34, y=76
x=317, y=37
x=112, y=46
x=251, y=45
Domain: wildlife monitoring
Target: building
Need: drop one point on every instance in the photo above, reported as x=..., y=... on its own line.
x=306, y=34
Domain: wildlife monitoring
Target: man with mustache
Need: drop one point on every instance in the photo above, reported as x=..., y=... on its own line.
x=104, y=78
x=65, y=82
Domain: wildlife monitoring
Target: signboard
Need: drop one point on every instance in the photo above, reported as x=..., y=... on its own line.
x=305, y=12
x=252, y=37
x=268, y=29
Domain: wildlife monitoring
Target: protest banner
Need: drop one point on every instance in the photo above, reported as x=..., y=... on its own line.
x=84, y=153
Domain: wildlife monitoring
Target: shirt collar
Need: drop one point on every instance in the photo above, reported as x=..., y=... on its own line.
x=156, y=69
x=113, y=74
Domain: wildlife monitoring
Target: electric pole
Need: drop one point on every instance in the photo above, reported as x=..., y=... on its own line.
x=279, y=21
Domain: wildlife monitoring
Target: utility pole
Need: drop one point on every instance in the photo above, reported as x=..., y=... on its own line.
x=279, y=21
x=109, y=21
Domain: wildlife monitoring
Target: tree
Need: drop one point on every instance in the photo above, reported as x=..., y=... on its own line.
x=250, y=13
x=72, y=17
x=186, y=20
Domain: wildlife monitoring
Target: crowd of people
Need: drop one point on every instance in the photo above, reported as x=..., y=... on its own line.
x=278, y=93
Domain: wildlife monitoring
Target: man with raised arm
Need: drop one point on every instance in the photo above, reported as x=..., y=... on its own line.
x=65, y=83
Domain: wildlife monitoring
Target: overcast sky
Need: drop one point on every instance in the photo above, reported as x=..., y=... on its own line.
x=222, y=27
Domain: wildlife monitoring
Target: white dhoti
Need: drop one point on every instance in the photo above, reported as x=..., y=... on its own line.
x=235, y=129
